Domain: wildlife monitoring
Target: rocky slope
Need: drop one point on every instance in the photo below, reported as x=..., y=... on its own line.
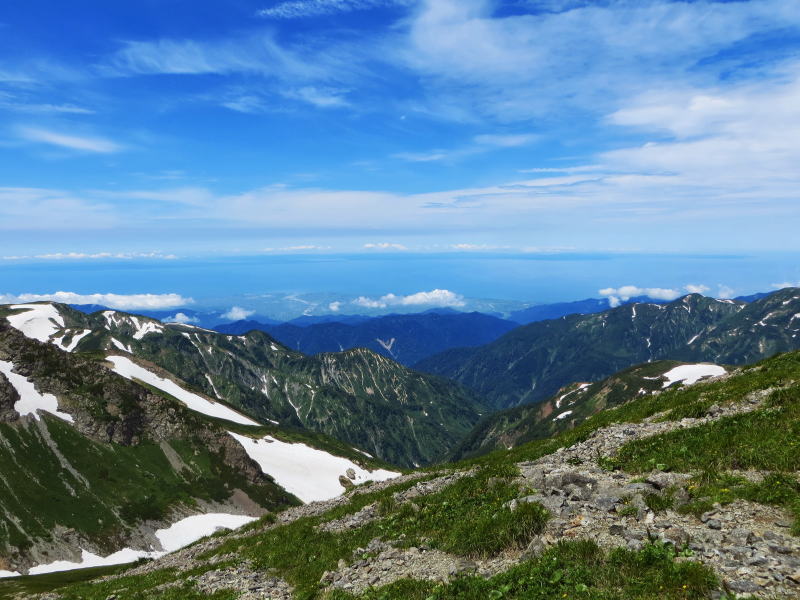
x=692, y=493
x=362, y=398
x=531, y=363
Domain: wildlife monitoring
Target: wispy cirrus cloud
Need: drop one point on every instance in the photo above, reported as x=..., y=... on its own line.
x=25, y=105
x=299, y=9
x=97, y=145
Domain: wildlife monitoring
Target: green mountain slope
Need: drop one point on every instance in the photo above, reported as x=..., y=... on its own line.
x=569, y=407
x=362, y=398
x=533, y=362
x=129, y=460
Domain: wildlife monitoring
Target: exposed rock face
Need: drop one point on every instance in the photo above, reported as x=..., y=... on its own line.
x=8, y=397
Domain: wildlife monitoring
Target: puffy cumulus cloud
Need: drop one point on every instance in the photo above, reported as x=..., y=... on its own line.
x=617, y=296
x=335, y=306
x=237, y=313
x=117, y=301
x=696, y=289
x=385, y=246
x=181, y=318
x=437, y=297
x=622, y=294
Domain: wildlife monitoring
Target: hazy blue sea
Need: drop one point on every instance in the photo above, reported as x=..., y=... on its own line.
x=524, y=277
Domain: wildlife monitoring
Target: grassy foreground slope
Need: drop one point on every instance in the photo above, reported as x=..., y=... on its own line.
x=734, y=438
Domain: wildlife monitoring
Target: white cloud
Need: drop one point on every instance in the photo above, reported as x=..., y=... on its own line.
x=335, y=306
x=73, y=142
x=385, y=246
x=588, y=54
x=117, y=301
x=297, y=248
x=696, y=288
x=786, y=284
x=473, y=247
x=22, y=105
x=505, y=140
x=437, y=297
x=237, y=313
x=431, y=156
x=182, y=318
x=622, y=294
x=298, y=9
x=725, y=292
x=94, y=256
x=319, y=97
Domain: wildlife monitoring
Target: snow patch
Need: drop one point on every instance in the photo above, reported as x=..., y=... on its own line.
x=142, y=329
x=38, y=322
x=120, y=346
x=176, y=536
x=580, y=388
x=308, y=473
x=76, y=339
x=130, y=370
x=690, y=374
x=4, y=574
x=30, y=400
x=189, y=530
x=563, y=415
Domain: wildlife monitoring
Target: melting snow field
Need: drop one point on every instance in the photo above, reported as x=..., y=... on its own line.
x=175, y=537
x=9, y=574
x=38, y=322
x=130, y=370
x=306, y=472
x=30, y=400
x=690, y=374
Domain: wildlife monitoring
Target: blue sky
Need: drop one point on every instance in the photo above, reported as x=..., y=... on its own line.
x=163, y=129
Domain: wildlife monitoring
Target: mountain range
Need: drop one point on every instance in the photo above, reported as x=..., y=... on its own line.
x=532, y=362
x=406, y=339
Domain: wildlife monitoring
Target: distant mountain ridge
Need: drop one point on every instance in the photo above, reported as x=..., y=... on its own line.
x=404, y=338
x=534, y=361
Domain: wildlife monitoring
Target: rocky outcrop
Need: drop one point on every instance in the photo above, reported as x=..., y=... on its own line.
x=8, y=397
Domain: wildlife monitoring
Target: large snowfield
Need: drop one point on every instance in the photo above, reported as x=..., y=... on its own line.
x=308, y=473
x=130, y=370
x=176, y=536
x=38, y=322
x=690, y=374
